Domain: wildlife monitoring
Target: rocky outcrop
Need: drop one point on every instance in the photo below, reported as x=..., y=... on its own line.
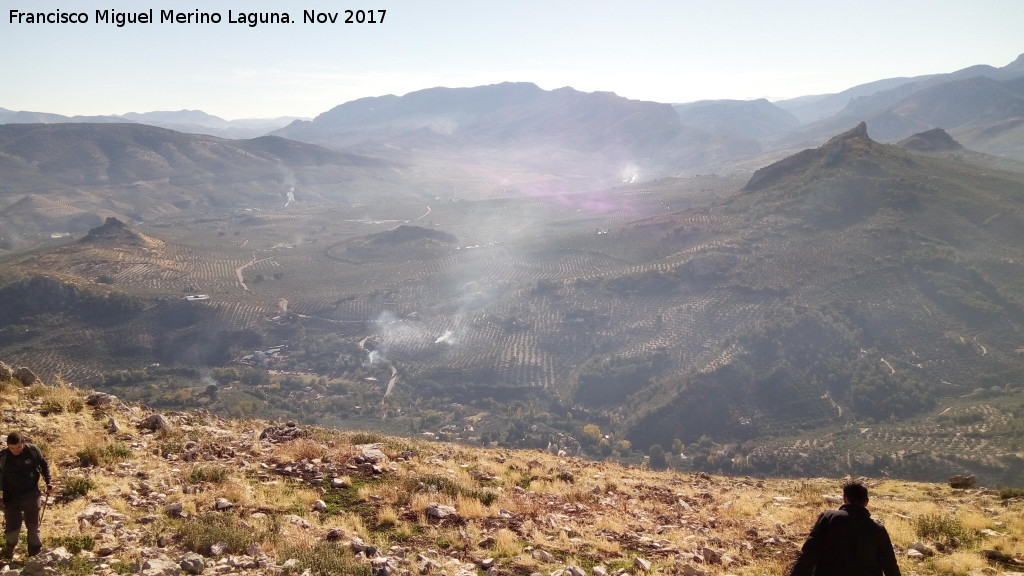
x=829, y=154
x=934, y=140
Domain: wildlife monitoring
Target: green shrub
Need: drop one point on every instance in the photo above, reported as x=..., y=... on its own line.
x=324, y=559
x=368, y=438
x=106, y=455
x=120, y=567
x=51, y=406
x=946, y=529
x=1007, y=493
x=73, y=544
x=211, y=474
x=198, y=536
x=76, y=487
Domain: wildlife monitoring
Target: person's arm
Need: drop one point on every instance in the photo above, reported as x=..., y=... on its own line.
x=44, y=468
x=811, y=549
x=887, y=555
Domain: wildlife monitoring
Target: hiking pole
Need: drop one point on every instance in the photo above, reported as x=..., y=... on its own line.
x=42, y=512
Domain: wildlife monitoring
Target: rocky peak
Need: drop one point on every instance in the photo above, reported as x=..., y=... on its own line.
x=829, y=154
x=934, y=140
x=860, y=131
x=114, y=231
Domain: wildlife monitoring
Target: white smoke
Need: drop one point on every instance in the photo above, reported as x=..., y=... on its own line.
x=445, y=338
x=288, y=178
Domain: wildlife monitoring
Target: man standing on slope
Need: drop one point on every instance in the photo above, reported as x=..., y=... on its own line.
x=847, y=542
x=21, y=465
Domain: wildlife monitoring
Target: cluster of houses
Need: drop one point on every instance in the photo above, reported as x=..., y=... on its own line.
x=265, y=358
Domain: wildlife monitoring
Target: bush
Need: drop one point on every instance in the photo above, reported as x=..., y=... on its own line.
x=948, y=530
x=211, y=474
x=76, y=487
x=324, y=559
x=73, y=544
x=1007, y=493
x=214, y=527
x=106, y=455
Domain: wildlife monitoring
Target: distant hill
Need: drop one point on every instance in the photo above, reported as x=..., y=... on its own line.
x=858, y=254
x=934, y=140
x=135, y=172
x=189, y=121
x=978, y=105
x=754, y=119
x=562, y=137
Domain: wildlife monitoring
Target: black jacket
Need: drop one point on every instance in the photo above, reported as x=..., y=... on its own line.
x=846, y=542
x=19, y=475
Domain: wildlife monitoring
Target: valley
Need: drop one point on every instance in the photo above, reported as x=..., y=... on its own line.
x=580, y=273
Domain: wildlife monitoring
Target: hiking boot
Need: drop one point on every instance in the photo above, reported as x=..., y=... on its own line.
x=7, y=554
x=33, y=550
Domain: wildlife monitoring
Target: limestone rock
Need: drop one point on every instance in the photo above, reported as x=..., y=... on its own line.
x=26, y=376
x=155, y=423
x=193, y=563
x=440, y=511
x=962, y=481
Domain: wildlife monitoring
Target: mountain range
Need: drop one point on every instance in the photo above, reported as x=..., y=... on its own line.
x=553, y=260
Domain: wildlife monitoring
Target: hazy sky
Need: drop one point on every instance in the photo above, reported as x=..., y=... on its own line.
x=667, y=51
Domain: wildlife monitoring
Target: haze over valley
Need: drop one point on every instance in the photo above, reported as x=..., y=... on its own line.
x=823, y=285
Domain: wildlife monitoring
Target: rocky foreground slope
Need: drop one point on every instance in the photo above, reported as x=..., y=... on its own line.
x=141, y=492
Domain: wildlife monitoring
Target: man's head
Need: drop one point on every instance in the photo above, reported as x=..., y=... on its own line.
x=855, y=493
x=15, y=443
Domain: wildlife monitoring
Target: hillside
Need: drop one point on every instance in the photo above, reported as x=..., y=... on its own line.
x=979, y=105
x=135, y=172
x=144, y=492
x=852, y=293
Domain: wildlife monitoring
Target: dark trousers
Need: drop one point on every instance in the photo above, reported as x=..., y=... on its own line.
x=16, y=509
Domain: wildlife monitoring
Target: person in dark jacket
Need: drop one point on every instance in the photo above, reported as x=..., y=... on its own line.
x=21, y=466
x=847, y=542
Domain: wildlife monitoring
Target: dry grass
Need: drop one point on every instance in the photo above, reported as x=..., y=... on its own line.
x=586, y=513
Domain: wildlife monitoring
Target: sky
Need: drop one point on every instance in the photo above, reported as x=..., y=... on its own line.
x=670, y=51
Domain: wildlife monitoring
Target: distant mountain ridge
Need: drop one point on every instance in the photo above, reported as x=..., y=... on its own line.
x=190, y=121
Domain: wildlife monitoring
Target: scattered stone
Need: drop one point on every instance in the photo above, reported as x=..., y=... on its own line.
x=320, y=506
x=370, y=454
x=223, y=504
x=440, y=511
x=174, y=509
x=921, y=548
x=218, y=548
x=193, y=563
x=45, y=562
x=159, y=566
x=280, y=434
x=6, y=372
x=155, y=423
x=642, y=564
x=543, y=556
x=100, y=399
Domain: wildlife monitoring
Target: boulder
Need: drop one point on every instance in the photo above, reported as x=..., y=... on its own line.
x=6, y=372
x=155, y=423
x=159, y=567
x=962, y=481
x=193, y=563
x=441, y=511
x=26, y=376
x=99, y=399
